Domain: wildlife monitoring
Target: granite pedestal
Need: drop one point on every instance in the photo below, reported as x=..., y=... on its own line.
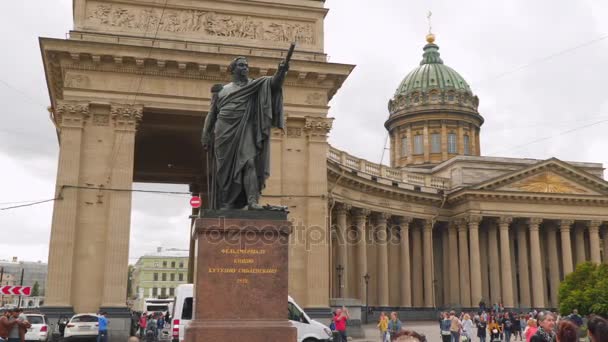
x=241, y=277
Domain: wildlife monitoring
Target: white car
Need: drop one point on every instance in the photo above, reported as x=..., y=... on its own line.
x=82, y=326
x=39, y=331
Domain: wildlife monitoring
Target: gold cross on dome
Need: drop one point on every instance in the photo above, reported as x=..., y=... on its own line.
x=428, y=17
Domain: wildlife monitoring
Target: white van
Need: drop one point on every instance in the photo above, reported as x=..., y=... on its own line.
x=309, y=330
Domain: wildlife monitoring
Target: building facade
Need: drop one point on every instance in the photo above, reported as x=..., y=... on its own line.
x=156, y=275
x=442, y=226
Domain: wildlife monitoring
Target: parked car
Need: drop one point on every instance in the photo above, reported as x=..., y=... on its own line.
x=39, y=331
x=309, y=330
x=82, y=326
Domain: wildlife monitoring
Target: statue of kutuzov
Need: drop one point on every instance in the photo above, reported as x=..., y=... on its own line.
x=237, y=132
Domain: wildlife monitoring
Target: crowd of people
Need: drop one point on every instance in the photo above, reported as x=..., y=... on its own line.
x=13, y=326
x=498, y=325
x=150, y=325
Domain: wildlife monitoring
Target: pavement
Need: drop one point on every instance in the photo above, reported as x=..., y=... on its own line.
x=428, y=328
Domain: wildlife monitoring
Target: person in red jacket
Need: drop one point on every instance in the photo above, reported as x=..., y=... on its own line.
x=340, y=319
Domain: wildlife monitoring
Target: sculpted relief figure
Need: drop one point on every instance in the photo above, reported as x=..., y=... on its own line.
x=237, y=132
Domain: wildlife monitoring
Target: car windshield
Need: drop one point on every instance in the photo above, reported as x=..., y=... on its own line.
x=84, y=319
x=35, y=319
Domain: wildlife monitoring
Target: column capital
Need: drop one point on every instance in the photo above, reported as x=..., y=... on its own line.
x=474, y=220
x=505, y=221
x=403, y=221
x=342, y=208
x=428, y=224
x=126, y=116
x=360, y=212
x=381, y=217
x=71, y=113
x=535, y=221
x=564, y=225
x=594, y=225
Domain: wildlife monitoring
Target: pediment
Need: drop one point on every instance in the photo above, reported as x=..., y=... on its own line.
x=548, y=182
x=550, y=177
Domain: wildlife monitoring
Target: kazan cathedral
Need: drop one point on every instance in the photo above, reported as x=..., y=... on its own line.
x=444, y=226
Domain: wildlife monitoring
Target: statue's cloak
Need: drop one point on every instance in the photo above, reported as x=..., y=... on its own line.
x=242, y=133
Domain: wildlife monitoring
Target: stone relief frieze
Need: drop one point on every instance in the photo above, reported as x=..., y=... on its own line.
x=316, y=99
x=76, y=81
x=194, y=21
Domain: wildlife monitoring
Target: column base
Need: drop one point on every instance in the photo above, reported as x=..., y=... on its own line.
x=244, y=330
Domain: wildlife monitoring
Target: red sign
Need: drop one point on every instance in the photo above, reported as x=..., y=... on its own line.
x=196, y=202
x=16, y=290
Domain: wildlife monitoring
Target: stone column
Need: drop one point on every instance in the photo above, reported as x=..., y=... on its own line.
x=381, y=235
x=522, y=262
x=475, y=259
x=341, y=211
x=404, y=264
x=538, y=296
x=594, y=241
x=63, y=226
x=360, y=218
x=553, y=259
x=505, y=255
x=125, y=120
x=417, y=267
x=579, y=240
x=454, y=274
x=567, y=264
x=495, y=288
x=463, y=261
x=429, y=295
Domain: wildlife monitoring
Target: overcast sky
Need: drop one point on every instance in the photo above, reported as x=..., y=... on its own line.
x=537, y=67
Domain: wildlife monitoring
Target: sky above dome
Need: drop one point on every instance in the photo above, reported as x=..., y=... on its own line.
x=537, y=67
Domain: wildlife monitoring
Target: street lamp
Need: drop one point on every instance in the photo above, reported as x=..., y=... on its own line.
x=366, y=277
x=339, y=269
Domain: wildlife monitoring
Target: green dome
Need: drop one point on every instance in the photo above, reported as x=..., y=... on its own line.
x=432, y=74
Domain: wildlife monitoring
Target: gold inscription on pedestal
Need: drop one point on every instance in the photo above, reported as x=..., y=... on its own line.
x=243, y=264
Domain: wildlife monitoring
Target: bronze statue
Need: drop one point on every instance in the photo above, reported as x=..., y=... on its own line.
x=237, y=132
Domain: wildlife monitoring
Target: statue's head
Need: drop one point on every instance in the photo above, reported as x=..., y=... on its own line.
x=239, y=67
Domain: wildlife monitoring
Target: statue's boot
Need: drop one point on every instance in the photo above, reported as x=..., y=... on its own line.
x=252, y=203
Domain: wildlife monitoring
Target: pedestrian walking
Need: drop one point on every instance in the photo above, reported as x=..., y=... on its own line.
x=507, y=327
x=481, y=329
x=446, y=336
x=494, y=329
x=143, y=323
x=383, y=327
x=467, y=327
x=598, y=329
x=102, y=335
x=567, y=331
x=340, y=319
x=455, y=327
x=531, y=328
x=394, y=325
x=546, y=326
x=19, y=329
x=6, y=325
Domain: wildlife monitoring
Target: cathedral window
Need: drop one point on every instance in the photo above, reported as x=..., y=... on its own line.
x=452, y=143
x=451, y=97
x=434, y=97
x=435, y=143
x=467, y=148
x=404, y=147
x=418, y=144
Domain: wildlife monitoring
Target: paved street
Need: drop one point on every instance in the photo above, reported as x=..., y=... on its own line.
x=428, y=328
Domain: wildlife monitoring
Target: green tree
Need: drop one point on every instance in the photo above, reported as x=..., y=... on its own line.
x=585, y=289
x=36, y=290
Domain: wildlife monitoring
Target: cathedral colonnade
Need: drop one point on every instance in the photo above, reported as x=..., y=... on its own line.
x=421, y=262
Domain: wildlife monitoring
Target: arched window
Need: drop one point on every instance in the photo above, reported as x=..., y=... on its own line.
x=452, y=143
x=418, y=144
x=467, y=148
